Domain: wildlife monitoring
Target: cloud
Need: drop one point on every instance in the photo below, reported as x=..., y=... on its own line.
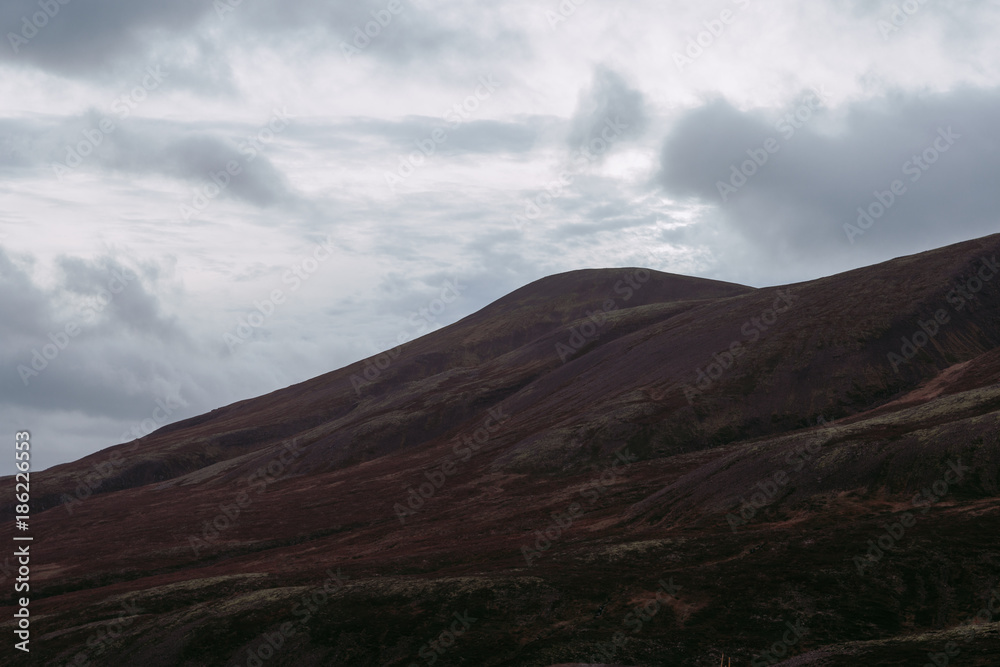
x=609, y=99
x=186, y=152
x=461, y=135
x=438, y=40
x=82, y=36
x=194, y=157
x=85, y=343
x=22, y=300
x=796, y=205
x=98, y=38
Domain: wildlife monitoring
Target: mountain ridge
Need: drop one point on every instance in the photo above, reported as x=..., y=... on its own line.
x=485, y=468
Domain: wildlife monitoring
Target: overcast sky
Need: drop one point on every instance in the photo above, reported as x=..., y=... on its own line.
x=166, y=167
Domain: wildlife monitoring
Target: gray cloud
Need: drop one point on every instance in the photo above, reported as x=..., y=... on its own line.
x=609, y=98
x=136, y=307
x=798, y=202
x=20, y=296
x=461, y=135
x=415, y=36
x=86, y=36
x=195, y=158
x=97, y=38
x=138, y=146
x=102, y=319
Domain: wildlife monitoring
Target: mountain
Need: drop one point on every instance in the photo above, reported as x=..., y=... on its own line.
x=614, y=466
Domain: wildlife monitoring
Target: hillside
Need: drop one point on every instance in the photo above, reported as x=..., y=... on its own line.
x=612, y=466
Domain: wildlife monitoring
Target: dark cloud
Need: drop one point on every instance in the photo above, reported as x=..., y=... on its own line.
x=25, y=305
x=84, y=36
x=137, y=147
x=96, y=341
x=797, y=204
x=135, y=307
x=609, y=99
x=196, y=158
x=95, y=38
x=411, y=35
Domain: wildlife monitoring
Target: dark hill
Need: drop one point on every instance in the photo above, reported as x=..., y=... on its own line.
x=579, y=444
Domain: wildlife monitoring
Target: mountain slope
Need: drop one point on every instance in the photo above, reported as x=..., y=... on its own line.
x=546, y=462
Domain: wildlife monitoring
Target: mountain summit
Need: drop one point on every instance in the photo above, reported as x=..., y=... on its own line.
x=615, y=466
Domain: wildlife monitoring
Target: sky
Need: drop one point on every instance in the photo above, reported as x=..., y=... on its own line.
x=201, y=202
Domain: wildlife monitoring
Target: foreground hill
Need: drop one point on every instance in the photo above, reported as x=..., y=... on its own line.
x=606, y=466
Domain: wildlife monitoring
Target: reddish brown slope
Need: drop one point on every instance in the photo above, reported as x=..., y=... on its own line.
x=336, y=498
x=330, y=404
